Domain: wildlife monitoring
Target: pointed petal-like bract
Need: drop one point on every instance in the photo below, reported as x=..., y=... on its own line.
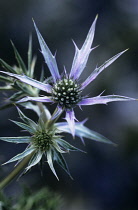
x=70, y=118
x=30, y=81
x=33, y=107
x=58, y=157
x=43, y=99
x=57, y=147
x=49, y=58
x=83, y=132
x=68, y=147
x=30, y=69
x=25, y=126
x=36, y=109
x=20, y=139
x=81, y=56
x=27, y=120
x=19, y=59
x=35, y=159
x=21, y=155
x=104, y=99
x=57, y=113
x=98, y=70
x=50, y=162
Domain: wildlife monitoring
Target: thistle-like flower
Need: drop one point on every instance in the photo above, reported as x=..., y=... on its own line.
x=45, y=140
x=66, y=89
x=19, y=89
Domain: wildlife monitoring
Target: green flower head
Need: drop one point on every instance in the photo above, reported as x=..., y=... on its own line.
x=45, y=139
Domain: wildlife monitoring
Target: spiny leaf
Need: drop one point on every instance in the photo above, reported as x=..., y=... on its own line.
x=35, y=159
x=7, y=66
x=30, y=53
x=5, y=79
x=16, y=96
x=68, y=146
x=83, y=131
x=20, y=139
x=50, y=162
x=19, y=59
x=32, y=67
x=24, y=126
x=21, y=155
x=49, y=58
x=27, y=120
x=58, y=157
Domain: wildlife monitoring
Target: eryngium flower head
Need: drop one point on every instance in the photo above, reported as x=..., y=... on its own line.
x=66, y=89
x=19, y=89
x=45, y=140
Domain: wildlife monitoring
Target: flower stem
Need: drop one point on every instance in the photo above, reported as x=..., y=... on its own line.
x=54, y=118
x=41, y=108
x=16, y=171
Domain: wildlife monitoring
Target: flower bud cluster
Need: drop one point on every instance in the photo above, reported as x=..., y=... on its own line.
x=42, y=140
x=66, y=92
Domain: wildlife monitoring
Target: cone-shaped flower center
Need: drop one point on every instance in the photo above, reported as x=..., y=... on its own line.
x=42, y=140
x=66, y=92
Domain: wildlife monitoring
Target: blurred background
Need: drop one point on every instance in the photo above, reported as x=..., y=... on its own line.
x=106, y=177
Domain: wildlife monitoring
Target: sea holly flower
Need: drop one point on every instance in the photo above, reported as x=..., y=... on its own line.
x=19, y=90
x=66, y=89
x=45, y=140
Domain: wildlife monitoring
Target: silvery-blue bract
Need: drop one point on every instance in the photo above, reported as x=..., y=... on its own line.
x=45, y=140
x=65, y=89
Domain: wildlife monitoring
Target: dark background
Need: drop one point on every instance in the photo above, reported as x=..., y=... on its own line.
x=106, y=177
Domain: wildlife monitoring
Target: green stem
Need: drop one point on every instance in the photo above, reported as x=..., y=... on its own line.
x=51, y=122
x=41, y=108
x=15, y=171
